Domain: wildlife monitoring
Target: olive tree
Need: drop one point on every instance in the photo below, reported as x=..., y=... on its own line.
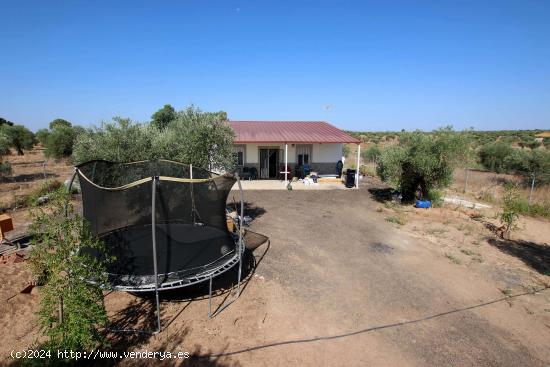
x=59, y=142
x=422, y=161
x=42, y=136
x=203, y=139
x=163, y=117
x=494, y=154
x=60, y=122
x=20, y=137
x=371, y=154
x=5, y=144
x=531, y=163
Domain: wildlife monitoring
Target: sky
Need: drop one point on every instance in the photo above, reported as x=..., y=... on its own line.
x=365, y=65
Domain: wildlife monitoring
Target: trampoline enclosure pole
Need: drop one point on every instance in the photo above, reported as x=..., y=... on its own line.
x=69, y=194
x=154, y=238
x=240, y=237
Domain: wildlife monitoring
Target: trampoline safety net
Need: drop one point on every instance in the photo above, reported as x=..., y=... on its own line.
x=190, y=221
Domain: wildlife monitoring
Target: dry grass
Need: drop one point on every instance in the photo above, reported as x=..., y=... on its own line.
x=489, y=185
x=29, y=174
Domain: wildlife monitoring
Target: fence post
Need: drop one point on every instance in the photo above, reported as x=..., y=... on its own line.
x=466, y=182
x=532, y=188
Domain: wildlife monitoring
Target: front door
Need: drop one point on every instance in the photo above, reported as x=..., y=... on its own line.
x=269, y=163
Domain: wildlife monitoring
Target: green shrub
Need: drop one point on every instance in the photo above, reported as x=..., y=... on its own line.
x=42, y=136
x=346, y=150
x=47, y=187
x=535, y=209
x=493, y=155
x=436, y=197
x=396, y=219
x=511, y=207
x=372, y=153
x=5, y=169
x=531, y=162
x=65, y=272
x=59, y=143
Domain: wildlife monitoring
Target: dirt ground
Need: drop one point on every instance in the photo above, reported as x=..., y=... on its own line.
x=339, y=284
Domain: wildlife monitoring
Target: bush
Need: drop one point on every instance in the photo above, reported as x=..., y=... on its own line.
x=493, y=156
x=531, y=162
x=436, y=197
x=346, y=150
x=396, y=220
x=42, y=136
x=511, y=207
x=57, y=262
x=47, y=187
x=422, y=161
x=59, y=143
x=371, y=154
x=5, y=169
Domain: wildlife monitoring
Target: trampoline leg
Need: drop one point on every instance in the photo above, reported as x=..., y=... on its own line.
x=239, y=272
x=158, y=311
x=210, y=298
x=154, y=238
x=240, y=239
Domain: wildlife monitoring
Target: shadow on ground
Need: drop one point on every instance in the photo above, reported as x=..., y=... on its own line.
x=140, y=312
x=250, y=209
x=534, y=255
x=27, y=177
x=382, y=194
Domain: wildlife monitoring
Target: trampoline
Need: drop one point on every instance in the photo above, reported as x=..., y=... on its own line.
x=163, y=221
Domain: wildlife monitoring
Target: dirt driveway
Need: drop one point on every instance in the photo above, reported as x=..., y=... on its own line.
x=340, y=286
x=350, y=289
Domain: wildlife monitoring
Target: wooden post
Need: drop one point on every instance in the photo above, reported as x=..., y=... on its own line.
x=532, y=188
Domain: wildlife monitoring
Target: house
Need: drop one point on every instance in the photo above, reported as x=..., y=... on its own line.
x=270, y=146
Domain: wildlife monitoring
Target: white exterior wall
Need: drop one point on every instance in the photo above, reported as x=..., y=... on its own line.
x=326, y=153
x=321, y=153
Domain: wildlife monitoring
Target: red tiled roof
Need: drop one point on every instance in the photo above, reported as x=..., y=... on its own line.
x=288, y=132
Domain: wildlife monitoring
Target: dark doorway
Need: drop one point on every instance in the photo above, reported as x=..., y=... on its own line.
x=269, y=163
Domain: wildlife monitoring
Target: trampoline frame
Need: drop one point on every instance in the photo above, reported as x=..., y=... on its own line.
x=191, y=280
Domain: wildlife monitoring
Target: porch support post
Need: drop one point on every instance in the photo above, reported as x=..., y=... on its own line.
x=286, y=163
x=358, y=166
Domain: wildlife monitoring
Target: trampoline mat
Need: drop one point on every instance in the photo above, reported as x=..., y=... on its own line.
x=181, y=247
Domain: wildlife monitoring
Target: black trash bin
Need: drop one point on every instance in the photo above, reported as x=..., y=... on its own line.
x=350, y=177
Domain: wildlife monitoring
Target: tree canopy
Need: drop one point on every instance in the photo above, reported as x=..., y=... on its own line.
x=422, y=161
x=59, y=142
x=20, y=138
x=193, y=136
x=59, y=122
x=3, y=121
x=530, y=163
x=163, y=117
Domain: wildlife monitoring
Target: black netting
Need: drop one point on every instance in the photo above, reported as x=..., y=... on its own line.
x=191, y=229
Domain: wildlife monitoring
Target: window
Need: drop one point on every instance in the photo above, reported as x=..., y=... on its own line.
x=239, y=153
x=303, y=153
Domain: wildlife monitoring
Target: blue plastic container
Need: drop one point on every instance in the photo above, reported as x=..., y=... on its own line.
x=424, y=204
